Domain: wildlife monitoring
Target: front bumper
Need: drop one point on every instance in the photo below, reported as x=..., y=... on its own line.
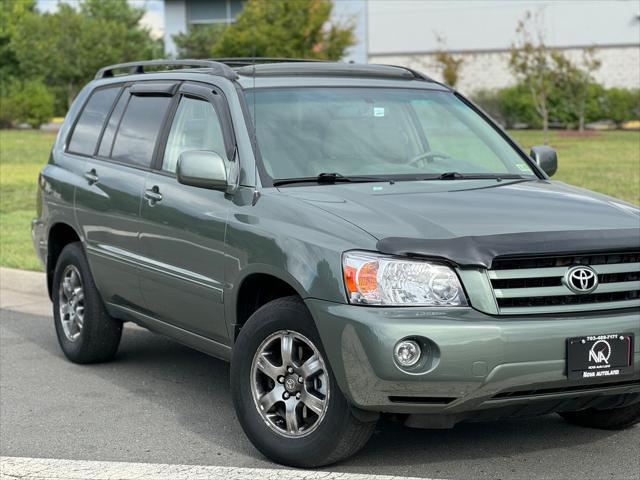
x=483, y=362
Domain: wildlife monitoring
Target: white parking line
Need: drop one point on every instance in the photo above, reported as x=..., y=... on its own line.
x=54, y=469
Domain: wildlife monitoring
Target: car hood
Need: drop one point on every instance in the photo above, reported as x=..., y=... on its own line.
x=460, y=208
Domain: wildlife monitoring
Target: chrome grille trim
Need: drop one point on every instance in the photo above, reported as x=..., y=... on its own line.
x=622, y=290
x=559, y=271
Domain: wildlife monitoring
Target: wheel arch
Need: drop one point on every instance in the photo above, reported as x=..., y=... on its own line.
x=256, y=288
x=60, y=235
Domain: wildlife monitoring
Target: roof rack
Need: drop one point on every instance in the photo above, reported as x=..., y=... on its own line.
x=247, y=61
x=417, y=74
x=333, y=69
x=135, y=68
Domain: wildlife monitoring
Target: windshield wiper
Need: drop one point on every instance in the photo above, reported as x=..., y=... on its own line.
x=328, y=178
x=475, y=176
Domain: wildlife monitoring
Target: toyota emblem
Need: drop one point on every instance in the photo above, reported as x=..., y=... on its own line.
x=581, y=279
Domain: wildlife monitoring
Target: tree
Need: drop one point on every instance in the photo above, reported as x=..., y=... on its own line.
x=27, y=102
x=274, y=28
x=11, y=13
x=67, y=47
x=198, y=41
x=575, y=81
x=532, y=62
x=449, y=64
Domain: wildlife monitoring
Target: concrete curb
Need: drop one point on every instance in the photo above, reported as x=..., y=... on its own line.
x=53, y=469
x=23, y=291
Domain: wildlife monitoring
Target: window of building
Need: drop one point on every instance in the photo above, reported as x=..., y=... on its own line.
x=213, y=11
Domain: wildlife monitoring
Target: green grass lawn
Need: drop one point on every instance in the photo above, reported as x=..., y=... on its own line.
x=608, y=162
x=22, y=154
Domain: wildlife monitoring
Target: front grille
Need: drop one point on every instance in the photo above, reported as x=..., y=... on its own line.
x=534, y=285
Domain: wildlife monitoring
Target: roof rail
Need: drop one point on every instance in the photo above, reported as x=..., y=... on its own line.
x=334, y=69
x=135, y=68
x=417, y=74
x=246, y=61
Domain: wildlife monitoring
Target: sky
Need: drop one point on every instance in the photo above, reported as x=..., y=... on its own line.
x=412, y=25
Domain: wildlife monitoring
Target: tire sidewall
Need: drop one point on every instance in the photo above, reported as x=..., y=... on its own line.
x=315, y=446
x=78, y=350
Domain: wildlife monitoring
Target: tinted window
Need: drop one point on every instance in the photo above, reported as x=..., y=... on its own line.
x=139, y=128
x=195, y=127
x=89, y=124
x=112, y=125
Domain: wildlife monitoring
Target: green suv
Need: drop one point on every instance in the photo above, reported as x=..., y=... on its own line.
x=357, y=240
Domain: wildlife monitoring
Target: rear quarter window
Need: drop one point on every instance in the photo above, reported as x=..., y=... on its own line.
x=90, y=122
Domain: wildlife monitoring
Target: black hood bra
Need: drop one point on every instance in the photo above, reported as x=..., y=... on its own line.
x=480, y=251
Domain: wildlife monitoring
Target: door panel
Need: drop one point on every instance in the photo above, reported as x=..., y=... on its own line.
x=108, y=210
x=182, y=237
x=183, y=227
x=108, y=207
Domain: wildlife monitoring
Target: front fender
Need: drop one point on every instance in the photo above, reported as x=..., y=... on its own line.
x=291, y=240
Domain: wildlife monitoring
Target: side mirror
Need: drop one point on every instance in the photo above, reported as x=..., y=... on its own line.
x=203, y=169
x=546, y=158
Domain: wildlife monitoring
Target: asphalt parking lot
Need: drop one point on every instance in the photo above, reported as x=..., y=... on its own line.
x=160, y=402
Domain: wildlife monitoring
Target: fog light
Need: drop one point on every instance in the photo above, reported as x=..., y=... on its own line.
x=407, y=353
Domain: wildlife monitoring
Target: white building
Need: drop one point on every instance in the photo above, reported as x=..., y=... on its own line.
x=481, y=32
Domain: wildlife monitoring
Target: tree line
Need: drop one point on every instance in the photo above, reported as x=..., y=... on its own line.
x=46, y=58
x=551, y=88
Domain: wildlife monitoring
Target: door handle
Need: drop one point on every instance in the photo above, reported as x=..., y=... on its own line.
x=91, y=176
x=153, y=195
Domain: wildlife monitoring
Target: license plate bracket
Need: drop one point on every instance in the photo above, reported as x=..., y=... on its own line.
x=600, y=356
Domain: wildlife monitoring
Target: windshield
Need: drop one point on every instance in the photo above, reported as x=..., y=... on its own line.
x=375, y=132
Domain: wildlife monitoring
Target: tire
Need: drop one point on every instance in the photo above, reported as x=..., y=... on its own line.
x=612, y=419
x=321, y=439
x=86, y=334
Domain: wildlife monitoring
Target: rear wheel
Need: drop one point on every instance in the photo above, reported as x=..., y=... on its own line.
x=85, y=330
x=284, y=392
x=611, y=419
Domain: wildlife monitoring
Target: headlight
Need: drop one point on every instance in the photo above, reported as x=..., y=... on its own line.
x=372, y=279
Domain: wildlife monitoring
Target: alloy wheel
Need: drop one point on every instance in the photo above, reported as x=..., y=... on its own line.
x=71, y=302
x=290, y=383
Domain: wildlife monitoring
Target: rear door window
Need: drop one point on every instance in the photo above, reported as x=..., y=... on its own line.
x=139, y=129
x=89, y=125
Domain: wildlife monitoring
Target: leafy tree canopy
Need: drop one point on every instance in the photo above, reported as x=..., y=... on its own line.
x=274, y=28
x=67, y=47
x=198, y=41
x=11, y=13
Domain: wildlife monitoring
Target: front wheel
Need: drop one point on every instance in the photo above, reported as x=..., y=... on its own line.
x=610, y=419
x=284, y=392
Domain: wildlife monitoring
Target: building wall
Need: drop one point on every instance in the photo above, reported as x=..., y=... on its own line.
x=490, y=69
x=354, y=11
x=175, y=21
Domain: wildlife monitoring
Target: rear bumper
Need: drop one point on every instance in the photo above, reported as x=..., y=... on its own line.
x=480, y=363
x=38, y=238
